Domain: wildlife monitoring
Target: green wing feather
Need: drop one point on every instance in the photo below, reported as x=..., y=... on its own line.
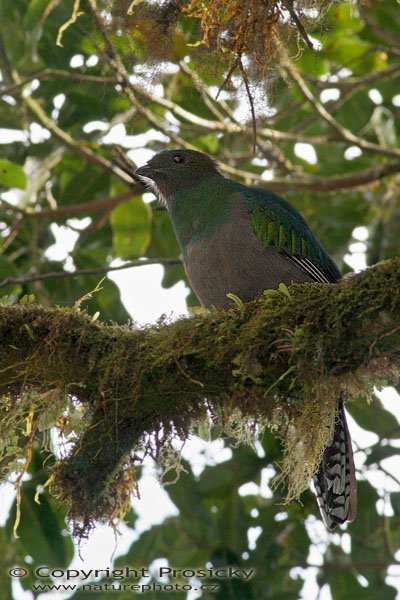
x=278, y=223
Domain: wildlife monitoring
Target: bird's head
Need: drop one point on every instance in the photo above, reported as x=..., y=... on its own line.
x=171, y=171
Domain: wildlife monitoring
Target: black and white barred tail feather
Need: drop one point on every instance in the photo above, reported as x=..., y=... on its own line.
x=335, y=482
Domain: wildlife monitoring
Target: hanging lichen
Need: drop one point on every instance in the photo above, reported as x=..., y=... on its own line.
x=117, y=394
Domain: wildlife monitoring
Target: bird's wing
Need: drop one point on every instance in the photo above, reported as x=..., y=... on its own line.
x=277, y=223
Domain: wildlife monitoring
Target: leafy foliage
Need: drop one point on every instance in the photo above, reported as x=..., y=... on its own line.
x=142, y=75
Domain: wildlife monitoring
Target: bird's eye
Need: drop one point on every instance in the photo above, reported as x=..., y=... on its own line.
x=178, y=158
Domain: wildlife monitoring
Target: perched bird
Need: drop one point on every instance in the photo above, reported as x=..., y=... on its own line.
x=244, y=240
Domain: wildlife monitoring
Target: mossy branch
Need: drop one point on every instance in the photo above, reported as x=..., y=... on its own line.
x=282, y=359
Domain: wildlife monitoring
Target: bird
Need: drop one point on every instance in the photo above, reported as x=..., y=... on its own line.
x=242, y=240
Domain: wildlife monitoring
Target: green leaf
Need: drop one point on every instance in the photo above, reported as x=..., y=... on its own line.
x=131, y=222
x=344, y=49
x=374, y=417
x=40, y=529
x=5, y=579
x=11, y=175
x=344, y=585
x=75, y=184
x=282, y=287
x=162, y=234
x=7, y=268
x=244, y=466
x=395, y=501
x=383, y=123
x=368, y=531
x=380, y=452
x=169, y=538
x=50, y=417
x=203, y=430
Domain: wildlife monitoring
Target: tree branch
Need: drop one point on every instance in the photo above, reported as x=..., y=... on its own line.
x=384, y=33
x=343, y=132
x=356, y=82
x=86, y=272
x=278, y=184
x=69, y=141
x=220, y=125
x=76, y=209
x=358, y=179
x=282, y=359
x=48, y=73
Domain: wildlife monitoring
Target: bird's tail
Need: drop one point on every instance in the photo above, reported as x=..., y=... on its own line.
x=335, y=482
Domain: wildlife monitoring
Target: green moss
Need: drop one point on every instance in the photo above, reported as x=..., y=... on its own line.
x=281, y=360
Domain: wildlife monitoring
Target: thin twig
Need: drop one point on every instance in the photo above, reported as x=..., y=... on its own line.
x=299, y=25
x=355, y=82
x=69, y=141
x=345, y=133
x=86, y=272
x=15, y=227
x=250, y=98
x=78, y=209
x=203, y=91
x=315, y=183
x=228, y=76
x=9, y=90
x=384, y=33
x=5, y=62
x=112, y=57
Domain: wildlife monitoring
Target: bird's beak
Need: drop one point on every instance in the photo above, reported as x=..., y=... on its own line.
x=144, y=171
x=146, y=175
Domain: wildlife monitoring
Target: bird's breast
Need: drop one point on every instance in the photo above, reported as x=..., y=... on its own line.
x=233, y=260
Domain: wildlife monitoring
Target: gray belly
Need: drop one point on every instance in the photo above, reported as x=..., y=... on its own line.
x=235, y=261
